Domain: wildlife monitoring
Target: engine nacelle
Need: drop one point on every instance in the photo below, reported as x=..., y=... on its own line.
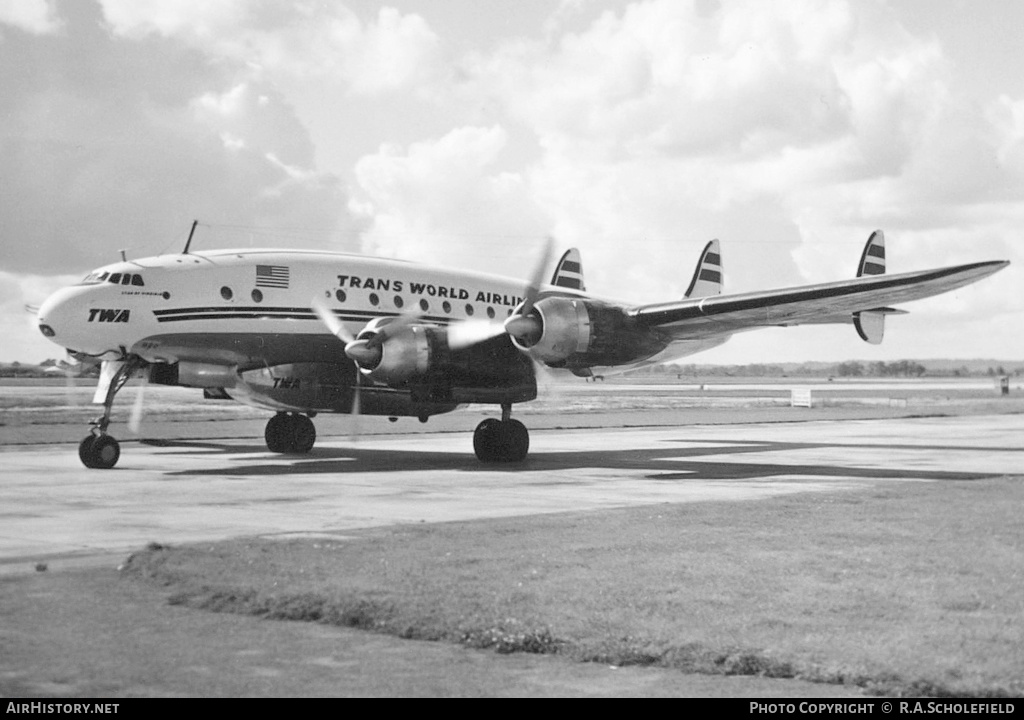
x=408, y=353
x=577, y=333
x=419, y=358
x=193, y=374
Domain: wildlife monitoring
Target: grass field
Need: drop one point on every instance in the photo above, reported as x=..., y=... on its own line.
x=903, y=589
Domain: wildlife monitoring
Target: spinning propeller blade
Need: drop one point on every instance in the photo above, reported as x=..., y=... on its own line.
x=135, y=419
x=332, y=321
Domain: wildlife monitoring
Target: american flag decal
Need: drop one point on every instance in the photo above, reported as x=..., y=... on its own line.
x=272, y=276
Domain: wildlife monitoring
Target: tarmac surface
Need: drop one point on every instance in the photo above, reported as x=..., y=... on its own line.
x=83, y=633
x=53, y=510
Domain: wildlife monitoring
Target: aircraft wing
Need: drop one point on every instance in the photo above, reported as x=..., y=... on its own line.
x=827, y=302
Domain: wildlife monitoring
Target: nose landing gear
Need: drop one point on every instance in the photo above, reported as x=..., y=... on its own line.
x=98, y=450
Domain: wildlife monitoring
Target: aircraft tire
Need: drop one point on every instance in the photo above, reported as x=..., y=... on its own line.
x=516, y=443
x=103, y=452
x=302, y=435
x=497, y=441
x=277, y=432
x=85, y=450
x=487, y=440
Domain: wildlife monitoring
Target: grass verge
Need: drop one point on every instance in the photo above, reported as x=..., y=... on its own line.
x=903, y=589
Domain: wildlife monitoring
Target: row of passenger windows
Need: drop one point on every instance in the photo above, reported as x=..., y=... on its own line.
x=399, y=302
x=257, y=296
x=115, y=279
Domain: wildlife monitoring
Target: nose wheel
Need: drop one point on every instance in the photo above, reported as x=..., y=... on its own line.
x=98, y=450
x=503, y=441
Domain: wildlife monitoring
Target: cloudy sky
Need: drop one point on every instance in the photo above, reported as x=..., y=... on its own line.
x=461, y=132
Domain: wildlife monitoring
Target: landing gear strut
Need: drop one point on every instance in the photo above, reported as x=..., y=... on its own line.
x=504, y=440
x=99, y=450
x=290, y=433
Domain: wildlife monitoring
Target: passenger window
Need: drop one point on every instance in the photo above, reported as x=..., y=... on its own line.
x=490, y=313
x=424, y=305
x=399, y=302
x=469, y=309
x=446, y=306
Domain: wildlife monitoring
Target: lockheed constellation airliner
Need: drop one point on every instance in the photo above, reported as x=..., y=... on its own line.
x=300, y=333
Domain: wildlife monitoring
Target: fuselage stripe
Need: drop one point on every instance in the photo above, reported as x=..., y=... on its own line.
x=280, y=313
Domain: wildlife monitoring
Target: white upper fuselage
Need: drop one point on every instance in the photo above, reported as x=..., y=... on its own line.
x=257, y=291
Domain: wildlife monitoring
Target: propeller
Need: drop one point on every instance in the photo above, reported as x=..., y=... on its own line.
x=533, y=287
x=338, y=329
x=523, y=323
x=135, y=419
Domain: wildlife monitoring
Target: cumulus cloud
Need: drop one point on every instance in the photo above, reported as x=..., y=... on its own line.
x=446, y=200
x=38, y=17
x=817, y=120
x=291, y=40
x=94, y=158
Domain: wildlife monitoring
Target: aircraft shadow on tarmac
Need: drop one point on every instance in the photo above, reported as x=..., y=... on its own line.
x=666, y=463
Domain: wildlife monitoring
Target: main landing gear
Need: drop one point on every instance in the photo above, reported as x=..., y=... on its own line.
x=99, y=450
x=504, y=440
x=290, y=433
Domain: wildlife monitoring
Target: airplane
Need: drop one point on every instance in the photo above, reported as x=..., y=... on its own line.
x=306, y=332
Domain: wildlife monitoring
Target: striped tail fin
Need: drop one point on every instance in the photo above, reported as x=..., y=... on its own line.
x=707, y=278
x=872, y=260
x=569, y=271
x=870, y=324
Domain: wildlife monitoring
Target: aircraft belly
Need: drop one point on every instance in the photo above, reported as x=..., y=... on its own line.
x=244, y=350
x=309, y=373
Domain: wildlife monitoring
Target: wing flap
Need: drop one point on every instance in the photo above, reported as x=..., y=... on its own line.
x=710, y=316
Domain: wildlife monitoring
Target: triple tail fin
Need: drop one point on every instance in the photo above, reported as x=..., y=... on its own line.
x=569, y=271
x=707, y=278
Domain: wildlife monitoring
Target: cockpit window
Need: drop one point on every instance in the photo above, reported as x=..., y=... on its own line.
x=115, y=278
x=93, y=278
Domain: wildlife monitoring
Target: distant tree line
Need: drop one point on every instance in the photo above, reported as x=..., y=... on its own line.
x=900, y=368
x=46, y=369
x=848, y=369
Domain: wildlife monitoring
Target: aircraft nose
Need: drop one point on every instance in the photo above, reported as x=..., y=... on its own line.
x=55, y=313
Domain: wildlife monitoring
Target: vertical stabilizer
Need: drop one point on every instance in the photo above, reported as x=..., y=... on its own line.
x=872, y=260
x=569, y=271
x=707, y=278
x=870, y=324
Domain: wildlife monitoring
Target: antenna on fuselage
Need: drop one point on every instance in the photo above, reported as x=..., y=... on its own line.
x=190, y=234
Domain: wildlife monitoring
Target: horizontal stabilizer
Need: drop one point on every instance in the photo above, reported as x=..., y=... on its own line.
x=569, y=271
x=707, y=278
